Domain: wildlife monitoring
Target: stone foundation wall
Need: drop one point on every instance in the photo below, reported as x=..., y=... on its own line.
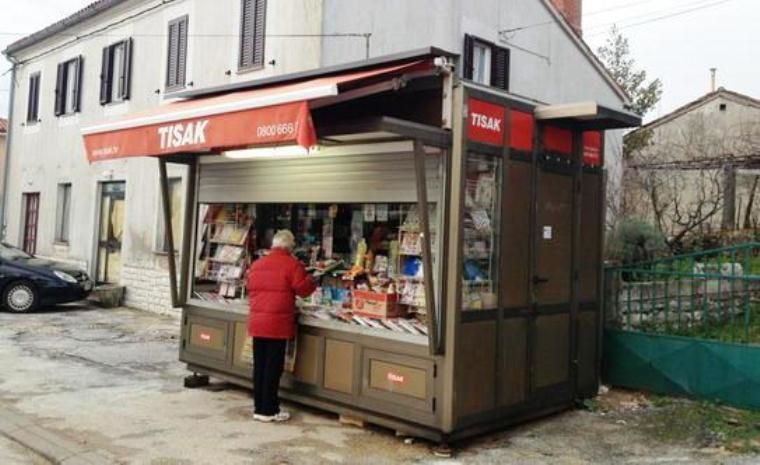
x=147, y=288
x=656, y=304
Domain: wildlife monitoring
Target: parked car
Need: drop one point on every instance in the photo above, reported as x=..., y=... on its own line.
x=28, y=282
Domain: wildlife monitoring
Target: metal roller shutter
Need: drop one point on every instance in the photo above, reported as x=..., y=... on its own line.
x=356, y=179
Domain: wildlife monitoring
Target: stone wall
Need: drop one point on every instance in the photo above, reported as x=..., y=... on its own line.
x=147, y=288
x=696, y=302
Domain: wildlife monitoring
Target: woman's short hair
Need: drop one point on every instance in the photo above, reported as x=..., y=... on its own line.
x=284, y=239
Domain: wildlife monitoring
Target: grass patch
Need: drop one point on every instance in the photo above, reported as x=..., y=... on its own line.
x=704, y=424
x=739, y=330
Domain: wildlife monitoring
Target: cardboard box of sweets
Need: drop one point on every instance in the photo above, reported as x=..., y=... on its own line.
x=376, y=305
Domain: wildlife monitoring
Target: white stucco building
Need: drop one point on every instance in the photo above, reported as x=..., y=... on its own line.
x=120, y=56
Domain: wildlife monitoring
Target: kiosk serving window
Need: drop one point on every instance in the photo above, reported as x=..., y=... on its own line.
x=365, y=257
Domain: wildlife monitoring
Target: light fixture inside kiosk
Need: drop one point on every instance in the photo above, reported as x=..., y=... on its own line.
x=283, y=151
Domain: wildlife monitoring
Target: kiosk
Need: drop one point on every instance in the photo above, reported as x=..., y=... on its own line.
x=456, y=232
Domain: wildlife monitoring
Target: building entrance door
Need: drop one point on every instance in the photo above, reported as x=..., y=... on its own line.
x=110, y=231
x=31, y=217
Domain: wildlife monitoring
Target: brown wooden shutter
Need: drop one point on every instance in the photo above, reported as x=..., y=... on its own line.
x=105, y=76
x=171, y=55
x=259, y=32
x=31, y=110
x=79, y=73
x=467, y=57
x=182, y=52
x=500, y=67
x=60, y=89
x=126, y=71
x=37, y=81
x=247, y=26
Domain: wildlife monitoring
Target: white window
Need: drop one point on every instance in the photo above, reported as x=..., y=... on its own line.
x=481, y=64
x=63, y=213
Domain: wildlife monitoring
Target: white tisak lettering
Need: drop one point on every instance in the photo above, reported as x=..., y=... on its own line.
x=176, y=136
x=486, y=122
x=163, y=133
x=180, y=135
x=189, y=135
x=200, y=132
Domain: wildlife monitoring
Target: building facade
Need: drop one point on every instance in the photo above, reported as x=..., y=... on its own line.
x=120, y=56
x=696, y=168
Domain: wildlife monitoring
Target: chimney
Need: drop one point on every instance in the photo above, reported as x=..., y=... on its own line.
x=713, y=72
x=573, y=12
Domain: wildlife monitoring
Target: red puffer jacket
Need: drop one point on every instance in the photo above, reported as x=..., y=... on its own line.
x=273, y=283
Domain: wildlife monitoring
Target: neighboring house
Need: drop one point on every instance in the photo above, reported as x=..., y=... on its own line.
x=120, y=56
x=696, y=170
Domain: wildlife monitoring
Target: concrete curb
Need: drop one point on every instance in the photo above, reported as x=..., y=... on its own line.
x=54, y=447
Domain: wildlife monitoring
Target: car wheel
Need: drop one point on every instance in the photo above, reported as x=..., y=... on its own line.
x=20, y=297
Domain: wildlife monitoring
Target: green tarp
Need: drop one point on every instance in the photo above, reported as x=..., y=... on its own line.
x=716, y=371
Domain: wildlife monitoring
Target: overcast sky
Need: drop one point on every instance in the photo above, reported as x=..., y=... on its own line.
x=669, y=42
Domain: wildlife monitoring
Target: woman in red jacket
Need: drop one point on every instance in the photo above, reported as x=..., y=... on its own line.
x=273, y=283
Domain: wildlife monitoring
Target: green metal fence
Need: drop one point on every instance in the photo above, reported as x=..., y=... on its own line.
x=687, y=325
x=711, y=295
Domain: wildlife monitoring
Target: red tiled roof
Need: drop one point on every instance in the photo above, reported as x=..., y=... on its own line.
x=3, y=125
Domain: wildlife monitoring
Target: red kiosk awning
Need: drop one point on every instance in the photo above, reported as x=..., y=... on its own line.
x=266, y=116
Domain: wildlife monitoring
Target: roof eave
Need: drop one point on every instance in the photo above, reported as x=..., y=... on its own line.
x=86, y=13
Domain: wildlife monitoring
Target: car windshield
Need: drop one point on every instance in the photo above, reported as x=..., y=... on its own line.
x=8, y=252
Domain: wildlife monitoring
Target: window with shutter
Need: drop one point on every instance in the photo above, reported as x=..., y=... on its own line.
x=176, y=54
x=115, y=72
x=486, y=63
x=33, y=102
x=252, y=28
x=68, y=86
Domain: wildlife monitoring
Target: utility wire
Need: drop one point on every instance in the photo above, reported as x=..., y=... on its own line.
x=661, y=18
x=586, y=15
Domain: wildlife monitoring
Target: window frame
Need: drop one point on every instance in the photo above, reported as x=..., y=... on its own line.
x=257, y=36
x=68, y=100
x=470, y=42
x=33, y=98
x=178, y=81
x=115, y=88
x=63, y=213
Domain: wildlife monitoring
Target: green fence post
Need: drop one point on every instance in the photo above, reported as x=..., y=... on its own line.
x=733, y=294
x=747, y=307
x=692, y=296
x=678, y=301
x=666, y=295
x=628, y=305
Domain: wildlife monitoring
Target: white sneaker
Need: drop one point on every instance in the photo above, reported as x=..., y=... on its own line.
x=277, y=418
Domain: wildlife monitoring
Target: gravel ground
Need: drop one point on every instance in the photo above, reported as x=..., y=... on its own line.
x=110, y=379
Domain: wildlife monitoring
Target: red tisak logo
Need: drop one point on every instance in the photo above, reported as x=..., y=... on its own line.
x=395, y=378
x=205, y=337
x=485, y=122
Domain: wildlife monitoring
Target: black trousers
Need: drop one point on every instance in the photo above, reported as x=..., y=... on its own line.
x=268, y=362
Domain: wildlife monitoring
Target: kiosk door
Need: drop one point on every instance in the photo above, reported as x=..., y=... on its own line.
x=553, y=276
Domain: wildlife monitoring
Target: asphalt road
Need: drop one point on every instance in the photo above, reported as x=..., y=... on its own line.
x=109, y=381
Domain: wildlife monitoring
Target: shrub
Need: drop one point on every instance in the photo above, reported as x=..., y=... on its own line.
x=635, y=241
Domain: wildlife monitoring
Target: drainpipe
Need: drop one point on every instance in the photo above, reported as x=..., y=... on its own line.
x=8, y=138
